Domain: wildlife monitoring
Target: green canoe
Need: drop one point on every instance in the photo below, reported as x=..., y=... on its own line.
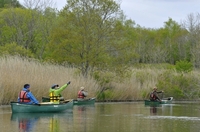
x=43, y=107
x=163, y=101
x=90, y=101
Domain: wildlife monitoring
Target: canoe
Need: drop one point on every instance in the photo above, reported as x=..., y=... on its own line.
x=163, y=101
x=40, y=108
x=90, y=101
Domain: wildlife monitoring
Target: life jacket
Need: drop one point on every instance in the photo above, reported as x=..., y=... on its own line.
x=80, y=94
x=23, y=97
x=54, y=98
x=152, y=96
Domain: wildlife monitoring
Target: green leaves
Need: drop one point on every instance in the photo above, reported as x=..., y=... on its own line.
x=183, y=66
x=14, y=49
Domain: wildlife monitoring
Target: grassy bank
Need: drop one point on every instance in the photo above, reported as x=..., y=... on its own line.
x=16, y=71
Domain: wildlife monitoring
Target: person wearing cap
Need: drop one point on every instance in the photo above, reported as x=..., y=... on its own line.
x=154, y=95
x=81, y=94
x=25, y=96
x=55, y=92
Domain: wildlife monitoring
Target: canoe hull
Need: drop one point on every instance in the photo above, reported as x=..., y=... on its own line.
x=163, y=101
x=41, y=108
x=84, y=102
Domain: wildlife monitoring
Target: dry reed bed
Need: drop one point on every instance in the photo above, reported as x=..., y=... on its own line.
x=16, y=71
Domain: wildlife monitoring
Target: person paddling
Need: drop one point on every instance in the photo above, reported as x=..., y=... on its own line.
x=82, y=94
x=154, y=95
x=26, y=97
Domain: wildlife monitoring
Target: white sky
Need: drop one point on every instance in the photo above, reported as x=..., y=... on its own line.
x=153, y=13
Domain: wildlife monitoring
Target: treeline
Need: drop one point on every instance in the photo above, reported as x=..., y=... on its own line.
x=94, y=37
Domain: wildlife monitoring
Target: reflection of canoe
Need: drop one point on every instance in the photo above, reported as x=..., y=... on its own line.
x=163, y=101
x=43, y=107
x=28, y=122
x=20, y=116
x=90, y=101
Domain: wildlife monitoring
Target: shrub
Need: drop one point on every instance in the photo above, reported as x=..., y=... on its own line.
x=183, y=66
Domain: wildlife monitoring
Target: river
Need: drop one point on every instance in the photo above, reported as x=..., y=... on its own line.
x=107, y=117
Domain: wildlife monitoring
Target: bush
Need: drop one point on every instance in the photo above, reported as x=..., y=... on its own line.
x=183, y=66
x=180, y=86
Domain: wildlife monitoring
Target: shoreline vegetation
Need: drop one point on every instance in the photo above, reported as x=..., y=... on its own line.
x=16, y=71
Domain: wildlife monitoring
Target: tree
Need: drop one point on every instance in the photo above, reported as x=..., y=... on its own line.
x=9, y=3
x=192, y=24
x=172, y=38
x=38, y=5
x=89, y=34
x=27, y=28
x=14, y=49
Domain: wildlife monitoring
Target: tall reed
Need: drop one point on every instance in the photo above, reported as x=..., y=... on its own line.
x=16, y=71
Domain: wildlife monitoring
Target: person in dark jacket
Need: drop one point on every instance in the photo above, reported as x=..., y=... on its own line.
x=25, y=96
x=154, y=95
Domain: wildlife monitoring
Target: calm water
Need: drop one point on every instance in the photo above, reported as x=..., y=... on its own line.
x=107, y=117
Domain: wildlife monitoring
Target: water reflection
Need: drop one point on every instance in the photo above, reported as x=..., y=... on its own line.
x=109, y=117
x=83, y=120
x=161, y=109
x=28, y=122
x=153, y=110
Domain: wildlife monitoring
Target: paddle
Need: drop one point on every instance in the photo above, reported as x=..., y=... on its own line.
x=68, y=100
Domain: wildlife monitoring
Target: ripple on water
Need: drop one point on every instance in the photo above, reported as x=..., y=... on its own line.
x=174, y=118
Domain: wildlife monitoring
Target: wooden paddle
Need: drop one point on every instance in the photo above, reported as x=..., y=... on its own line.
x=68, y=100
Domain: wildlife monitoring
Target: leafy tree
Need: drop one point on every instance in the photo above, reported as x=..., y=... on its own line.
x=14, y=49
x=89, y=35
x=172, y=41
x=9, y=3
x=192, y=24
x=27, y=28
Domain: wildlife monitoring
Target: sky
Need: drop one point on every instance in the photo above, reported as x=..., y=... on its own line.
x=153, y=13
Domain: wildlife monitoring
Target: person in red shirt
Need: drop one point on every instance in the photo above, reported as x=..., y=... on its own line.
x=82, y=94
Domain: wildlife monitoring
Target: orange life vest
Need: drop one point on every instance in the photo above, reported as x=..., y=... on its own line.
x=23, y=97
x=80, y=94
